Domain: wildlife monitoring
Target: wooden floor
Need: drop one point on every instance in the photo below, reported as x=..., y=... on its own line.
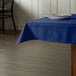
x=8, y=40
x=7, y=54
x=33, y=58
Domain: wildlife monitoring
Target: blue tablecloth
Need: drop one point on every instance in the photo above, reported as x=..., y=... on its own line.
x=53, y=30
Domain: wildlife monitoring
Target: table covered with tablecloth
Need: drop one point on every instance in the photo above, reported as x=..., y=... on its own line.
x=52, y=30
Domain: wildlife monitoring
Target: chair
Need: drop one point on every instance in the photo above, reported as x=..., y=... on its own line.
x=6, y=11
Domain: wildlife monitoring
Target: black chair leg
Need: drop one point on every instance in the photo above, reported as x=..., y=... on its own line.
x=3, y=28
x=13, y=21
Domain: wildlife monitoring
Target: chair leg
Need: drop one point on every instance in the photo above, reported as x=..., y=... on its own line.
x=13, y=21
x=3, y=28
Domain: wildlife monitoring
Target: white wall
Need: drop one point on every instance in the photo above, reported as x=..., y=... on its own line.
x=26, y=10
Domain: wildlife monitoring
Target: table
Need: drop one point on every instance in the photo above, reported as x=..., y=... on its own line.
x=73, y=59
x=53, y=30
x=46, y=29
